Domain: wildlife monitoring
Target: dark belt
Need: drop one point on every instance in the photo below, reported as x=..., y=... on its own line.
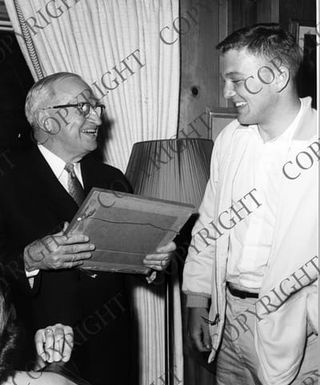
x=240, y=293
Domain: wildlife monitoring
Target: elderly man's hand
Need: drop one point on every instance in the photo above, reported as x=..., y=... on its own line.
x=58, y=251
x=162, y=257
x=53, y=344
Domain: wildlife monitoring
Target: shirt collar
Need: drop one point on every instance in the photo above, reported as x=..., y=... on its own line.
x=56, y=164
x=288, y=133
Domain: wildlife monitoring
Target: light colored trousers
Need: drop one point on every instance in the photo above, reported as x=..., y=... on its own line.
x=237, y=361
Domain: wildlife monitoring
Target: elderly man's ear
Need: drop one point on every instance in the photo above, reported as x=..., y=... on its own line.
x=47, y=123
x=42, y=121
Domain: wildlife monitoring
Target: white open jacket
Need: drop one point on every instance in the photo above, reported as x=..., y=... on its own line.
x=280, y=336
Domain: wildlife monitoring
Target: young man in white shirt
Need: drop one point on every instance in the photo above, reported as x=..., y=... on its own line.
x=251, y=271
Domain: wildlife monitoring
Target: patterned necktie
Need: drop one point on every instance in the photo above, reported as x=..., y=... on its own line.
x=74, y=186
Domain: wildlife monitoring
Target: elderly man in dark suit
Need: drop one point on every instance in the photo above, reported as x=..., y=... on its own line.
x=42, y=192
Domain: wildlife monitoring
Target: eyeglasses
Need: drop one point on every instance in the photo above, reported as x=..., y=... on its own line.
x=84, y=108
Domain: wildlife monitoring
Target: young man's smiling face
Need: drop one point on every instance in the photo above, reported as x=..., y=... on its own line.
x=254, y=100
x=75, y=135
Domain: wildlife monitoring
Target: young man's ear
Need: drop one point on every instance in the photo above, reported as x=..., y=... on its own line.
x=282, y=78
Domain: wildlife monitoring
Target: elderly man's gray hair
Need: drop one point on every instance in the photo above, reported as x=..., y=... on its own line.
x=41, y=92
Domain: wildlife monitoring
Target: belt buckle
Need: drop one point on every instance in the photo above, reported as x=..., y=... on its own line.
x=240, y=293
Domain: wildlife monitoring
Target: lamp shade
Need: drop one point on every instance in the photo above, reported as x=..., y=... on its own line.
x=172, y=169
x=175, y=170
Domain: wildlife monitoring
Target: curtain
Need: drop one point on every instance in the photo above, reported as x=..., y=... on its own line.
x=115, y=46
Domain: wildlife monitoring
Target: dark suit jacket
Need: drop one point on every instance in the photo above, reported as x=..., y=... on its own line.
x=33, y=204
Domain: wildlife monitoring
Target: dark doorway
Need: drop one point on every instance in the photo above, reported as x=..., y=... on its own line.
x=307, y=76
x=15, y=81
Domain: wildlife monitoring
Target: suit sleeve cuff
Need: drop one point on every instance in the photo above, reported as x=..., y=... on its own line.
x=197, y=301
x=33, y=273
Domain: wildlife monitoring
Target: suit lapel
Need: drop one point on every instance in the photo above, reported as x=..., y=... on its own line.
x=57, y=198
x=86, y=178
x=92, y=175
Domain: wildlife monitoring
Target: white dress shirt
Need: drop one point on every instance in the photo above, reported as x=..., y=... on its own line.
x=250, y=240
x=57, y=165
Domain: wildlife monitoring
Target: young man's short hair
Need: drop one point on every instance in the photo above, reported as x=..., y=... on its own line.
x=267, y=40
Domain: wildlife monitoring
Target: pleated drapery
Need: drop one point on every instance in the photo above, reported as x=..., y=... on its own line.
x=116, y=47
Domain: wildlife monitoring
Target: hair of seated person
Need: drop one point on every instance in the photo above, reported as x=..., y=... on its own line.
x=9, y=333
x=69, y=371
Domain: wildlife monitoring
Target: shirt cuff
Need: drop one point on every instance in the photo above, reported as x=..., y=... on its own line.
x=32, y=273
x=150, y=278
x=197, y=301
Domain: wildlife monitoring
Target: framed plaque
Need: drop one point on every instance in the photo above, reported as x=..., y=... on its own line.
x=126, y=227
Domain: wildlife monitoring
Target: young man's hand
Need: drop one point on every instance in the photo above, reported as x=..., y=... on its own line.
x=198, y=328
